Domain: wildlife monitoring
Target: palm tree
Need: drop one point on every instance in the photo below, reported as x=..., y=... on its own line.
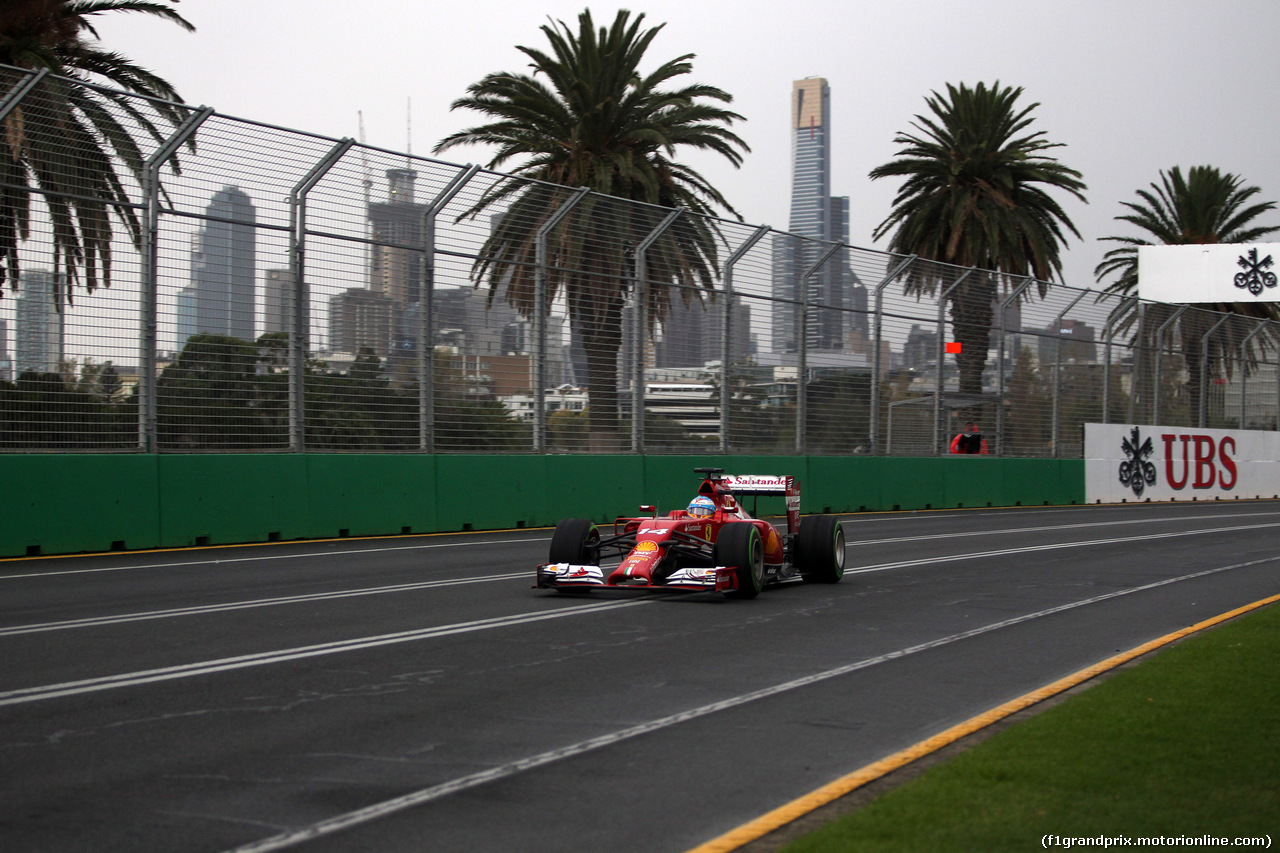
x=61, y=139
x=1204, y=206
x=587, y=117
x=976, y=194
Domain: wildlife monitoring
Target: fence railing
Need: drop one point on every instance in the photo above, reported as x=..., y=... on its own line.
x=276, y=290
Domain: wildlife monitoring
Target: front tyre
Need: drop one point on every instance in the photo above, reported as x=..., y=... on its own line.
x=820, y=549
x=576, y=541
x=739, y=545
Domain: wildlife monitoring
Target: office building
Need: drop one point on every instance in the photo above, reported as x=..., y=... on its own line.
x=691, y=335
x=361, y=319
x=277, y=301
x=837, y=301
x=6, y=364
x=395, y=261
x=220, y=298
x=40, y=324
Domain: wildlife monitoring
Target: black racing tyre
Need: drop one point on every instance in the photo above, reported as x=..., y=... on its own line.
x=820, y=549
x=575, y=541
x=739, y=545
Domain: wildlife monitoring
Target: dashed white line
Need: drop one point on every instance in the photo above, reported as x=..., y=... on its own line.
x=124, y=618
x=170, y=673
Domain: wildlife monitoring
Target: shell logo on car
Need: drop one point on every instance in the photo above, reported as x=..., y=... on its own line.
x=646, y=547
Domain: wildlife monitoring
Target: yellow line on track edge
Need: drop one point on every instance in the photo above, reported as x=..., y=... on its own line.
x=798, y=808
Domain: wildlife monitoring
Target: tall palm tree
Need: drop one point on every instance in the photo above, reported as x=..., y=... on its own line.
x=1204, y=206
x=61, y=139
x=976, y=194
x=588, y=117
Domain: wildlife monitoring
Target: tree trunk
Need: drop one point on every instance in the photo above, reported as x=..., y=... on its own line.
x=971, y=315
x=602, y=341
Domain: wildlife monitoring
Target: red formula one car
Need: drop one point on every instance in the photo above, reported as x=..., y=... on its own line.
x=725, y=550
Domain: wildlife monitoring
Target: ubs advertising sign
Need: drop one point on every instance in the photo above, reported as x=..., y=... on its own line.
x=1140, y=463
x=1219, y=272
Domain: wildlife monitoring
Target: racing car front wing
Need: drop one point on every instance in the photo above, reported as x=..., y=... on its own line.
x=570, y=576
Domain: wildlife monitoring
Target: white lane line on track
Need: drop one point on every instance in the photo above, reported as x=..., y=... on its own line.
x=170, y=673
x=977, y=555
x=182, y=564
x=435, y=792
x=124, y=618
x=1007, y=530
x=858, y=522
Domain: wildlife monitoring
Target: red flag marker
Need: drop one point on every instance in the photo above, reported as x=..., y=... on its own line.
x=953, y=347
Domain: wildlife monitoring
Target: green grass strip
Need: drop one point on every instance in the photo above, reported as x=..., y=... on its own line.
x=1184, y=745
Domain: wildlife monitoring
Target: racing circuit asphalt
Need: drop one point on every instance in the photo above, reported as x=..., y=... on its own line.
x=415, y=694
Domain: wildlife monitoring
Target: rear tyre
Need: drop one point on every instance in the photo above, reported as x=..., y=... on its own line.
x=576, y=541
x=739, y=545
x=820, y=549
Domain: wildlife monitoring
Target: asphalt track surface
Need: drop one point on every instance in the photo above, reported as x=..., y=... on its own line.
x=415, y=694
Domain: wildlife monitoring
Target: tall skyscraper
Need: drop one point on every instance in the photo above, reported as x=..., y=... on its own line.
x=395, y=263
x=384, y=316
x=38, y=340
x=220, y=299
x=821, y=218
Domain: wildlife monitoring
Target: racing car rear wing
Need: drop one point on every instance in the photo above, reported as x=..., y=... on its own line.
x=767, y=484
x=757, y=484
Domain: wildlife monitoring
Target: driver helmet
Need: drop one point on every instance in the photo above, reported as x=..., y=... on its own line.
x=701, y=507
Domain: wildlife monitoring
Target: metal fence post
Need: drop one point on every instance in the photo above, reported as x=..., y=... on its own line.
x=876, y=365
x=426, y=302
x=300, y=333
x=1159, y=367
x=1203, y=402
x=150, y=276
x=640, y=323
x=540, y=319
x=1135, y=374
x=1002, y=357
x=802, y=348
x=942, y=353
x=1108, y=334
x=1244, y=345
x=1055, y=432
x=726, y=341
x=19, y=91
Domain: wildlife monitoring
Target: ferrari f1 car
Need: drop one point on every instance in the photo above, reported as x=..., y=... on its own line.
x=726, y=550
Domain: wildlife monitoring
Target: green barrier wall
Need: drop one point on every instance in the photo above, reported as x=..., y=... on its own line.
x=61, y=504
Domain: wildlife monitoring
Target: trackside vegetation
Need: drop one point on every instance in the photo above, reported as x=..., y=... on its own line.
x=1184, y=744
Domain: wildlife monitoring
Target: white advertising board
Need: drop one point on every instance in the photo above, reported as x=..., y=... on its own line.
x=1124, y=462
x=1219, y=272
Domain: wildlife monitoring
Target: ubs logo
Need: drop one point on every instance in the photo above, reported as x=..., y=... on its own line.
x=1136, y=471
x=1205, y=463
x=1256, y=276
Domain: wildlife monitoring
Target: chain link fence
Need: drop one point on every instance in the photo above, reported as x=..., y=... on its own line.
x=254, y=288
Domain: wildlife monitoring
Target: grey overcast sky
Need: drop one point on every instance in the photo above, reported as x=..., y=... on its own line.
x=1130, y=86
